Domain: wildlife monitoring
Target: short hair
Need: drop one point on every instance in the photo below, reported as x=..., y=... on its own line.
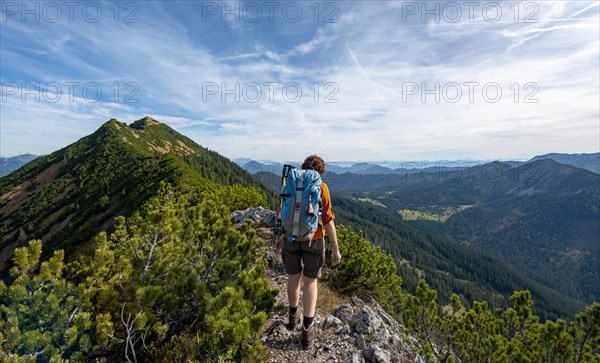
x=314, y=162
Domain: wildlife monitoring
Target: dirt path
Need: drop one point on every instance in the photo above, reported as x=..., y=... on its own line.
x=282, y=345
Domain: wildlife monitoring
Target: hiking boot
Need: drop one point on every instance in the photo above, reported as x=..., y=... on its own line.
x=293, y=321
x=308, y=336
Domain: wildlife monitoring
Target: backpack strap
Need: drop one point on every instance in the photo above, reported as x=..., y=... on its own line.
x=298, y=206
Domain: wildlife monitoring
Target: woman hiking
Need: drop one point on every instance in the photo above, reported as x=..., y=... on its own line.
x=304, y=259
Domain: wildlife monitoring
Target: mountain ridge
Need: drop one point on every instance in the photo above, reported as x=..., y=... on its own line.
x=61, y=197
x=589, y=161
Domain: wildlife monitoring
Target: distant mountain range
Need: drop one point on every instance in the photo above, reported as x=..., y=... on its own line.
x=541, y=217
x=585, y=161
x=8, y=165
x=589, y=162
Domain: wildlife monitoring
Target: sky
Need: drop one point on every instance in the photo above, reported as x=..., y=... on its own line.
x=279, y=80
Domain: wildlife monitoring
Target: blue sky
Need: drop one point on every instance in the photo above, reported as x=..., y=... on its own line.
x=353, y=80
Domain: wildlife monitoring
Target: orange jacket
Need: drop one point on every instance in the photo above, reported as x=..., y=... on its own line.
x=327, y=215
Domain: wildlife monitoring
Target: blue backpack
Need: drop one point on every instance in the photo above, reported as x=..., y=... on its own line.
x=300, y=205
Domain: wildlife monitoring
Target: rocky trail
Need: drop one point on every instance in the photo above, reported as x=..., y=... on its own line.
x=353, y=331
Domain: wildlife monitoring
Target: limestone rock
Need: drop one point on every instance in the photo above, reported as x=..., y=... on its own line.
x=344, y=313
x=356, y=357
x=258, y=214
x=365, y=321
x=332, y=322
x=358, y=302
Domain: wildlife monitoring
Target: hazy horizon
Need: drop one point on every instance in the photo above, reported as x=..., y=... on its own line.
x=235, y=159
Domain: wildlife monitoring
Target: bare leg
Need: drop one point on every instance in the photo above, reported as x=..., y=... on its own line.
x=293, y=289
x=310, y=296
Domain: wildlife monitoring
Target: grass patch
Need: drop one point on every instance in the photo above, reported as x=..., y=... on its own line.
x=327, y=299
x=424, y=215
x=372, y=201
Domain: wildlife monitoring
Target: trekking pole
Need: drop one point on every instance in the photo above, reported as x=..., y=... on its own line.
x=284, y=174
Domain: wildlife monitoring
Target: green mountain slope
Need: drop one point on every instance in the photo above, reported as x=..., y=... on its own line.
x=173, y=282
x=543, y=218
x=447, y=267
x=67, y=197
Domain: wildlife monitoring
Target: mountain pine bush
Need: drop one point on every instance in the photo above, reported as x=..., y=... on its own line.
x=455, y=334
x=172, y=274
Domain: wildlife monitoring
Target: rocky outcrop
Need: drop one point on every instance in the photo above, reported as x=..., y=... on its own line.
x=354, y=332
x=259, y=214
x=375, y=335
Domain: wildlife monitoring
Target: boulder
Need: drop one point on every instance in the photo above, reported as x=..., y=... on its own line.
x=344, y=313
x=376, y=354
x=332, y=322
x=355, y=357
x=365, y=321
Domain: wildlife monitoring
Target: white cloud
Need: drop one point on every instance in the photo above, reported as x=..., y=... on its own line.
x=367, y=56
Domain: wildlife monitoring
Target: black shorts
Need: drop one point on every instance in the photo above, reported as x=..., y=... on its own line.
x=306, y=257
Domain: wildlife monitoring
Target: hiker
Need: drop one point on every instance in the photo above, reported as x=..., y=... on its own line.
x=304, y=259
